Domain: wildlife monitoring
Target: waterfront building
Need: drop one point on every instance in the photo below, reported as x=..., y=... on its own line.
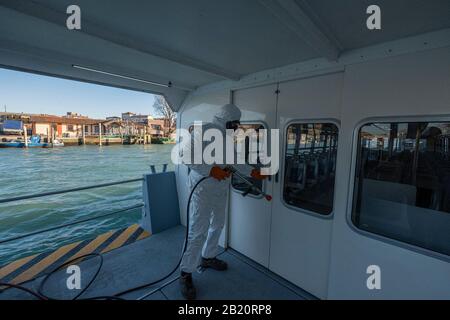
x=137, y=118
x=64, y=127
x=74, y=128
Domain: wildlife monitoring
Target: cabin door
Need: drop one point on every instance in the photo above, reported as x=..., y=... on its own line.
x=303, y=192
x=249, y=218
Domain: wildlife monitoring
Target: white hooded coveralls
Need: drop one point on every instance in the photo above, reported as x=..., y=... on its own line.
x=208, y=203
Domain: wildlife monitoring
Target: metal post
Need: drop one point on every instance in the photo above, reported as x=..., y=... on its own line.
x=25, y=135
x=83, y=134
x=145, y=135
x=416, y=154
x=99, y=134
x=51, y=134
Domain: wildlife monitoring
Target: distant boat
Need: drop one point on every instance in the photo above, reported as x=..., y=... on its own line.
x=55, y=144
x=21, y=144
x=12, y=144
x=34, y=142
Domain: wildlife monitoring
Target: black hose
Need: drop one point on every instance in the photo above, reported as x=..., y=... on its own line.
x=184, y=246
x=22, y=288
x=68, y=263
x=41, y=296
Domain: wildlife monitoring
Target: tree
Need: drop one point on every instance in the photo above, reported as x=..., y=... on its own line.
x=163, y=110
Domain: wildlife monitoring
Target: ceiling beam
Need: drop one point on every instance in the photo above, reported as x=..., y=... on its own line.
x=19, y=57
x=58, y=18
x=294, y=17
x=55, y=57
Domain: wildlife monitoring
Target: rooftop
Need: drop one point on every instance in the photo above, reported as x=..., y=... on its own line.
x=64, y=120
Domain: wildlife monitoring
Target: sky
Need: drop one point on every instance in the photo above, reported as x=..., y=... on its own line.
x=30, y=93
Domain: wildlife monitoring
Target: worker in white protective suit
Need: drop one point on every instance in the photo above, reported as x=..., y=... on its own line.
x=207, y=209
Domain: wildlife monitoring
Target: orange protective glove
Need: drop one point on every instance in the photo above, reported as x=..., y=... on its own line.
x=219, y=174
x=256, y=173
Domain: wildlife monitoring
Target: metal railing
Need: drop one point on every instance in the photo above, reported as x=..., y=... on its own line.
x=51, y=193
x=46, y=194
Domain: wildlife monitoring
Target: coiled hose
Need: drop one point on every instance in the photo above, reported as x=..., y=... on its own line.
x=39, y=294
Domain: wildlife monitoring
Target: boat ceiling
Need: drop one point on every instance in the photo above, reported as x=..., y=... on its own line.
x=197, y=42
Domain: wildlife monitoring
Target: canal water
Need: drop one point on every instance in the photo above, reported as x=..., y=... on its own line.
x=31, y=171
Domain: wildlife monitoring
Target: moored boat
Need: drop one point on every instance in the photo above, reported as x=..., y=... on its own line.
x=55, y=144
x=34, y=142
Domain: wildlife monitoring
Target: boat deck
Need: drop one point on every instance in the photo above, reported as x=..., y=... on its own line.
x=149, y=259
x=34, y=266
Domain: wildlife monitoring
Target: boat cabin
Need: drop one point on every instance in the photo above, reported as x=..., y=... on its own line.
x=361, y=99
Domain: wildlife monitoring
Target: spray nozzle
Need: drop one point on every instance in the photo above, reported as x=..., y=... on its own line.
x=250, y=184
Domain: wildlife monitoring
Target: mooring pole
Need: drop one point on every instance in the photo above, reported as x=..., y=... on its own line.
x=25, y=136
x=145, y=135
x=52, y=134
x=100, y=134
x=83, y=134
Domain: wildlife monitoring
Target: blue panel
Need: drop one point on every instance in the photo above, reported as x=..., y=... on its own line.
x=161, y=201
x=13, y=125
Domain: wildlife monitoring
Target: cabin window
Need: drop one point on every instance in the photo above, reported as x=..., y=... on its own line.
x=402, y=186
x=310, y=166
x=237, y=182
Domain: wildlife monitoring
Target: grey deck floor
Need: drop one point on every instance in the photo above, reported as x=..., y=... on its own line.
x=151, y=258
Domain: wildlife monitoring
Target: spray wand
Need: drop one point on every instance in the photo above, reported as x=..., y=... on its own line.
x=250, y=184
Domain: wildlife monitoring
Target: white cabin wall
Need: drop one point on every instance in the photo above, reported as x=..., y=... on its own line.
x=301, y=240
x=413, y=84
x=410, y=85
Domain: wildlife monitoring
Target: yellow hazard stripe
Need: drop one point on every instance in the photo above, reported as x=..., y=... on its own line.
x=92, y=246
x=41, y=265
x=15, y=265
x=144, y=235
x=121, y=239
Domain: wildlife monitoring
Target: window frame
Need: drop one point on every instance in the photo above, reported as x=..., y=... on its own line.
x=352, y=176
x=282, y=172
x=264, y=182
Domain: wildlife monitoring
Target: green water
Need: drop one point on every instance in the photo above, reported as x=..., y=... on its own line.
x=24, y=172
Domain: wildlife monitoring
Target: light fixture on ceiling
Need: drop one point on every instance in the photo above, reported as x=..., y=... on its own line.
x=169, y=85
